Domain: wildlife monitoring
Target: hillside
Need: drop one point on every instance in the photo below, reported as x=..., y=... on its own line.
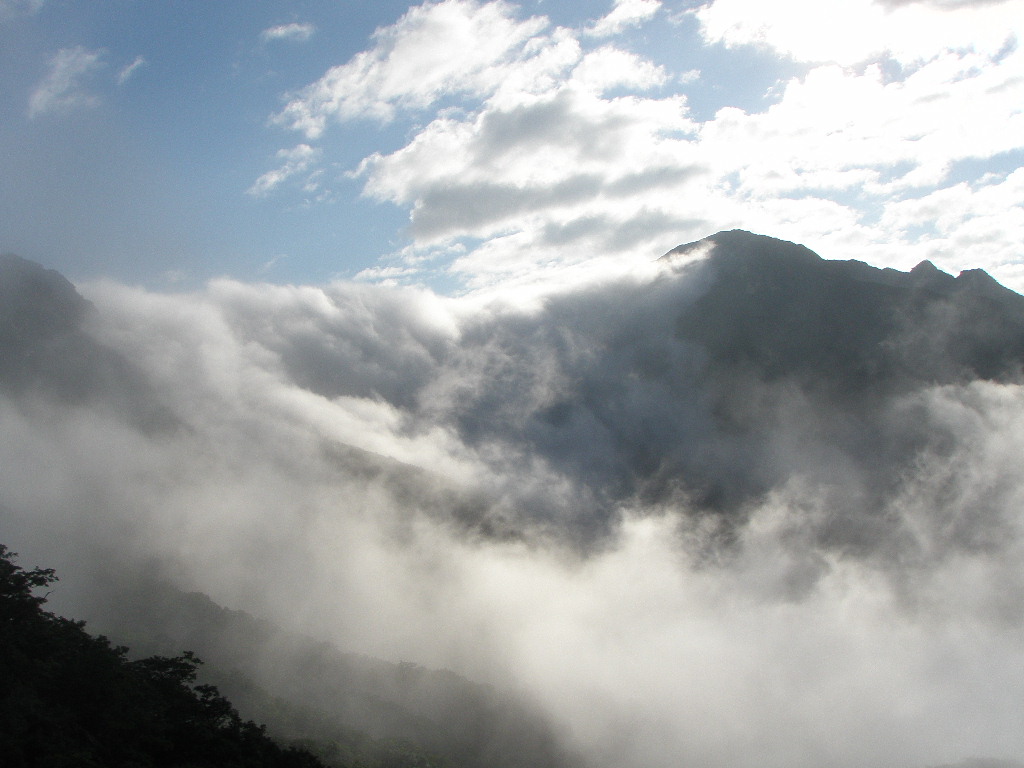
x=339, y=703
x=72, y=699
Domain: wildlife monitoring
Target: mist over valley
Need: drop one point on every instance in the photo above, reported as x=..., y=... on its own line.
x=747, y=506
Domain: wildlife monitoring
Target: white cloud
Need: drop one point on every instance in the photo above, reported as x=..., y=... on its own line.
x=869, y=143
x=560, y=153
x=852, y=31
x=980, y=225
x=62, y=88
x=437, y=49
x=129, y=70
x=561, y=167
x=777, y=645
x=625, y=14
x=294, y=32
x=12, y=8
x=835, y=128
x=297, y=160
x=609, y=67
x=564, y=155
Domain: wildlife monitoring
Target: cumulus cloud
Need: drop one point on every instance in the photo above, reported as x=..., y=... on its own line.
x=609, y=67
x=625, y=14
x=433, y=51
x=942, y=3
x=834, y=130
x=63, y=87
x=967, y=217
x=862, y=30
x=556, y=142
x=297, y=32
x=563, y=157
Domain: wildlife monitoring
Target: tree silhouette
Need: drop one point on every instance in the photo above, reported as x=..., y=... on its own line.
x=70, y=699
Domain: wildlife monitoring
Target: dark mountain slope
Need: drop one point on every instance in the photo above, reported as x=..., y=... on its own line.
x=47, y=352
x=71, y=699
x=705, y=388
x=781, y=310
x=749, y=362
x=310, y=691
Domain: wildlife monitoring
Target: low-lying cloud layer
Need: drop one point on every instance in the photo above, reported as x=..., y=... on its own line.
x=683, y=557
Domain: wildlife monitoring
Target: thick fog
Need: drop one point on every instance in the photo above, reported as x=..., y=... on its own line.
x=683, y=559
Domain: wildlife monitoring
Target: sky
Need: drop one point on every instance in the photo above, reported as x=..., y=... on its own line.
x=466, y=145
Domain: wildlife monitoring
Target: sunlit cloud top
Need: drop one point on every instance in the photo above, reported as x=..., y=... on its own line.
x=464, y=144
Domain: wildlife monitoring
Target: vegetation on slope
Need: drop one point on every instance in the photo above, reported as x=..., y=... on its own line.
x=71, y=699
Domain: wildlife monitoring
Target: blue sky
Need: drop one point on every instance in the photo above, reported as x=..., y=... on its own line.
x=465, y=145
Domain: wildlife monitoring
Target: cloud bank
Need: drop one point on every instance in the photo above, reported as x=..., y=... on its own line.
x=678, y=555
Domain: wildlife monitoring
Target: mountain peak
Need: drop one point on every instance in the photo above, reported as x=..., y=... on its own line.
x=927, y=275
x=739, y=244
x=35, y=301
x=782, y=310
x=981, y=281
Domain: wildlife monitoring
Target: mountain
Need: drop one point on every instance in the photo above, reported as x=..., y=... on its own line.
x=349, y=707
x=691, y=389
x=73, y=699
x=48, y=351
x=781, y=311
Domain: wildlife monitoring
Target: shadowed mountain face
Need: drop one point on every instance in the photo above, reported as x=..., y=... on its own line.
x=40, y=314
x=827, y=355
x=47, y=350
x=778, y=310
x=749, y=361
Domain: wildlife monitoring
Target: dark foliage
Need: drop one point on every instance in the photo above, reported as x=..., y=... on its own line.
x=71, y=699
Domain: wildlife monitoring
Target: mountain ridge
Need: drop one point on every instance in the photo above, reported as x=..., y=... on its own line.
x=791, y=310
x=736, y=246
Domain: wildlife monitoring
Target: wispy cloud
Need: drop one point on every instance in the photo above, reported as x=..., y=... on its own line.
x=294, y=32
x=625, y=14
x=63, y=87
x=296, y=160
x=11, y=8
x=127, y=71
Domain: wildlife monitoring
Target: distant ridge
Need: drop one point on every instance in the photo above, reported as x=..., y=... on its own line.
x=46, y=348
x=781, y=309
x=733, y=248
